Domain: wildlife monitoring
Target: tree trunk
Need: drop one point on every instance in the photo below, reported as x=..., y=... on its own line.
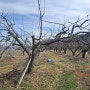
x=56, y=49
x=73, y=53
x=60, y=50
x=32, y=55
x=83, y=53
x=65, y=51
x=30, y=65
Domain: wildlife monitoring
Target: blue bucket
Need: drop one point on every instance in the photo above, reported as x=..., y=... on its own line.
x=49, y=60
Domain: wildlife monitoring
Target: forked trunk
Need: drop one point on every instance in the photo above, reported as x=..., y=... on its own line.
x=83, y=53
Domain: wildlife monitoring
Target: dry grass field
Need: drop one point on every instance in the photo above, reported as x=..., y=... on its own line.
x=64, y=73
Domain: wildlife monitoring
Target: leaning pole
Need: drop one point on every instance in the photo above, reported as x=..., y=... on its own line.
x=23, y=73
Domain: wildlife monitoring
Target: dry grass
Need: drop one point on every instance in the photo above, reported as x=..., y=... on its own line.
x=8, y=63
x=62, y=74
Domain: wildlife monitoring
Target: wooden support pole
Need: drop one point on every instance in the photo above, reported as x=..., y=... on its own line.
x=23, y=73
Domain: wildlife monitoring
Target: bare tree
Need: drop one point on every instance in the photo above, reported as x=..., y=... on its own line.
x=67, y=34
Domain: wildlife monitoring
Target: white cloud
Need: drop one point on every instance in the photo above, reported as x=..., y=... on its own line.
x=21, y=7
x=56, y=10
x=66, y=8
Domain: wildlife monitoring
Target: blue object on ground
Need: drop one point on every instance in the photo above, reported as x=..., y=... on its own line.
x=49, y=60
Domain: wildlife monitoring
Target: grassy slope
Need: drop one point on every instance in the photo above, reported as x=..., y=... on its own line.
x=62, y=74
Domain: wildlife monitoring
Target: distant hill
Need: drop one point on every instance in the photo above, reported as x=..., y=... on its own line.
x=85, y=36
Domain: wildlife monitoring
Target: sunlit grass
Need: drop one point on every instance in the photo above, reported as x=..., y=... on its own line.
x=68, y=81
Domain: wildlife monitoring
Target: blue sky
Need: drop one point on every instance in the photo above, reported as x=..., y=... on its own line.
x=25, y=12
